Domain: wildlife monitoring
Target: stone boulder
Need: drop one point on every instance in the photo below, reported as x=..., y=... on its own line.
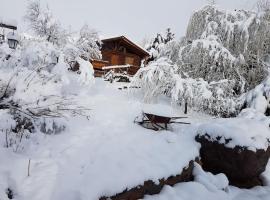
x=237, y=147
x=242, y=166
x=150, y=187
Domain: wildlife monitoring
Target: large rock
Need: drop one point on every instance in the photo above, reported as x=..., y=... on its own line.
x=236, y=147
x=150, y=188
x=242, y=166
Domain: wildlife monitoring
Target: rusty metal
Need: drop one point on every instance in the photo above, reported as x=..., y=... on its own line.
x=157, y=122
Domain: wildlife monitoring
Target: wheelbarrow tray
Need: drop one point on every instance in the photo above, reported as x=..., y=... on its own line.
x=158, y=119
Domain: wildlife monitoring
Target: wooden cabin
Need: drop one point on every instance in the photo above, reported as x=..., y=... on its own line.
x=5, y=26
x=120, y=55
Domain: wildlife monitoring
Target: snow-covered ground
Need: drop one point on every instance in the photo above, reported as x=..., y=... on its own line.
x=108, y=153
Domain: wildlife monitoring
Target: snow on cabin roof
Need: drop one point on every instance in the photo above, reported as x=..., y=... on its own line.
x=8, y=23
x=129, y=42
x=116, y=67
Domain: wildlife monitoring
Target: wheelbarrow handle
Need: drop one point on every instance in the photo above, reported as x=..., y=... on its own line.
x=179, y=117
x=179, y=123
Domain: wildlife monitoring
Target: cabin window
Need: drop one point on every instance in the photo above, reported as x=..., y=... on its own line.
x=129, y=60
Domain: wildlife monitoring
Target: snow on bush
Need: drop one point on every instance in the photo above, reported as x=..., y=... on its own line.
x=155, y=79
x=258, y=98
x=214, y=98
x=42, y=81
x=38, y=92
x=158, y=78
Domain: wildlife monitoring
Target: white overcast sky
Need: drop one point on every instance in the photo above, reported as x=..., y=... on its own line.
x=136, y=19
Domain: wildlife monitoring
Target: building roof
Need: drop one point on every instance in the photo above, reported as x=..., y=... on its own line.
x=9, y=26
x=126, y=41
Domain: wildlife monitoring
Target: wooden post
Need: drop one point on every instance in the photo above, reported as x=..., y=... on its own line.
x=7, y=138
x=186, y=108
x=28, y=170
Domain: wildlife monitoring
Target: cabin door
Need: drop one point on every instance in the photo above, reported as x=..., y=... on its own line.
x=115, y=60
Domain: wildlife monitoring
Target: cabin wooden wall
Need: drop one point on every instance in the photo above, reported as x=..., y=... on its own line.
x=120, y=58
x=119, y=53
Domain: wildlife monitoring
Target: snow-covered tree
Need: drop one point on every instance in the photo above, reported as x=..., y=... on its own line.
x=155, y=79
x=43, y=23
x=163, y=45
x=226, y=45
x=223, y=55
x=89, y=43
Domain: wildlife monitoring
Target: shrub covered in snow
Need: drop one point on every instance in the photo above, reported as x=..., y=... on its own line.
x=215, y=98
x=37, y=90
x=159, y=78
x=258, y=98
x=155, y=79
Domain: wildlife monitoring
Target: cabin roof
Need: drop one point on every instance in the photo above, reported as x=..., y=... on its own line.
x=129, y=43
x=9, y=26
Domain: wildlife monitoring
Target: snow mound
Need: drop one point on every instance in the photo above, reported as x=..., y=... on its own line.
x=265, y=176
x=211, y=182
x=234, y=132
x=250, y=113
x=259, y=97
